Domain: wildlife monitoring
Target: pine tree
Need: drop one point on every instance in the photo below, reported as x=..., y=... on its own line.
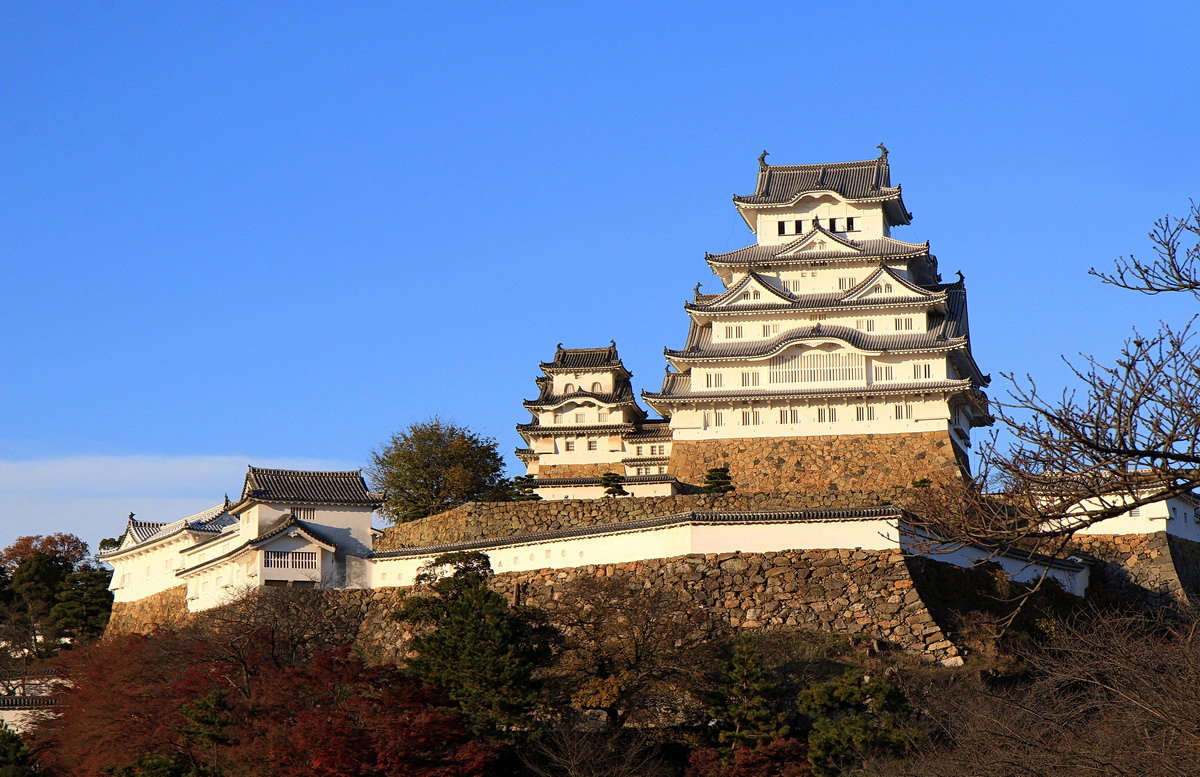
x=717, y=481
x=853, y=716
x=14, y=755
x=749, y=702
x=83, y=605
x=479, y=649
x=523, y=489
x=612, y=483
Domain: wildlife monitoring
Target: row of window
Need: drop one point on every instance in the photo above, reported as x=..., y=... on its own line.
x=650, y=470
x=795, y=415
x=567, y=417
x=592, y=445
x=596, y=388
x=655, y=450
x=818, y=368
x=901, y=324
x=832, y=223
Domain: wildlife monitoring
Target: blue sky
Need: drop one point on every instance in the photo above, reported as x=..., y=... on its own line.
x=274, y=233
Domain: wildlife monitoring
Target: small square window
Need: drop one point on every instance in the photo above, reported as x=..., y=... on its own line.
x=592, y=445
x=569, y=445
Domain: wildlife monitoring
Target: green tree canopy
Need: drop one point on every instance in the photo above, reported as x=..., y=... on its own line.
x=474, y=645
x=748, y=704
x=717, y=481
x=855, y=716
x=434, y=465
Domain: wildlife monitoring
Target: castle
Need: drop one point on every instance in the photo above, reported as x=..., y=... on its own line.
x=832, y=371
x=833, y=347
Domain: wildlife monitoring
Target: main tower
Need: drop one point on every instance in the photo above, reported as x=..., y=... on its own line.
x=835, y=356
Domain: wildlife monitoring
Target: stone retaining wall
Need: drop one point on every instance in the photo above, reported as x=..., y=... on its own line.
x=1155, y=569
x=850, y=461
x=579, y=470
x=485, y=520
x=858, y=592
x=165, y=608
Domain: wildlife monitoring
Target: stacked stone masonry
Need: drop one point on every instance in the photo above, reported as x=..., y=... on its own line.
x=857, y=592
x=163, y=609
x=1155, y=569
x=487, y=520
x=850, y=462
x=579, y=470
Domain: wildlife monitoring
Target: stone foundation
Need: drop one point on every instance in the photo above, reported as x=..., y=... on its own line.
x=852, y=461
x=856, y=592
x=579, y=470
x=1155, y=569
x=165, y=608
x=484, y=520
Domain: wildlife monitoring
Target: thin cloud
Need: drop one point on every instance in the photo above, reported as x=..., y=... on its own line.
x=91, y=495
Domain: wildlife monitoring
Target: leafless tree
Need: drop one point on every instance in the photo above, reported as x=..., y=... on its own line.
x=631, y=652
x=1113, y=696
x=1127, y=434
x=576, y=750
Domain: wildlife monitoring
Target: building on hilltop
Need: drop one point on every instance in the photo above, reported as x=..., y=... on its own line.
x=586, y=423
x=835, y=356
x=288, y=528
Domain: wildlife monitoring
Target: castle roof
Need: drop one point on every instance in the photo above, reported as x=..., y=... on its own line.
x=584, y=359
x=677, y=387
x=807, y=248
x=857, y=297
x=307, y=487
x=939, y=339
x=547, y=398
x=142, y=533
x=865, y=180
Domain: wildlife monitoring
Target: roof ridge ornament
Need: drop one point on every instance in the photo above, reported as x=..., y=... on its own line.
x=762, y=159
x=883, y=152
x=696, y=291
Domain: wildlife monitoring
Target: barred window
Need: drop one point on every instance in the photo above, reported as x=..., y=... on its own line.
x=902, y=412
x=883, y=372
x=817, y=367
x=904, y=324
x=864, y=413
x=749, y=378
x=714, y=380
x=826, y=415
x=751, y=418
x=789, y=415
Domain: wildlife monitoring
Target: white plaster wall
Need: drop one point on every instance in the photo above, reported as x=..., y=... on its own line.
x=929, y=414
x=869, y=220
x=148, y=571
x=618, y=547
x=1184, y=518
x=582, y=380
x=1020, y=570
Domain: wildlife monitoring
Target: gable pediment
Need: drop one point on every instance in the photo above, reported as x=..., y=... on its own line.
x=884, y=283
x=818, y=240
x=752, y=289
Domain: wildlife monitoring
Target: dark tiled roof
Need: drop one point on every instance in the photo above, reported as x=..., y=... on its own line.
x=313, y=532
x=622, y=396
x=563, y=429
x=873, y=248
x=302, y=487
x=211, y=520
x=651, y=431
x=679, y=390
x=868, y=179
x=584, y=359
x=539, y=482
x=938, y=339
x=884, y=512
x=725, y=303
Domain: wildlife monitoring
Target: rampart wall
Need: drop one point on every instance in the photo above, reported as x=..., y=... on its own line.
x=486, y=520
x=819, y=463
x=1156, y=569
x=165, y=608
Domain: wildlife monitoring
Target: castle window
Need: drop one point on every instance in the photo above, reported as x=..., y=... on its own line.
x=305, y=513
x=817, y=367
x=658, y=450
x=567, y=389
x=1135, y=512
x=833, y=222
x=902, y=412
x=922, y=370
x=714, y=418
x=733, y=332
x=826, y=415
x=639, y=450
x=789, y=415
x=749, y=378
x=751, y=418
x=789, y=227
x=904, y=324
x=850, y=224
x=569, y=445
x=864, y=413
x=887, y=288
x=580, y=417
x=602, y=415
x=662, y=470
x=596, y=387
x=756, y=294
x=770, y=329
x=865, y=324
x=714, y=380
x=877, y=289
x=592, y=445
x=883, y=372
x=847, y=283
